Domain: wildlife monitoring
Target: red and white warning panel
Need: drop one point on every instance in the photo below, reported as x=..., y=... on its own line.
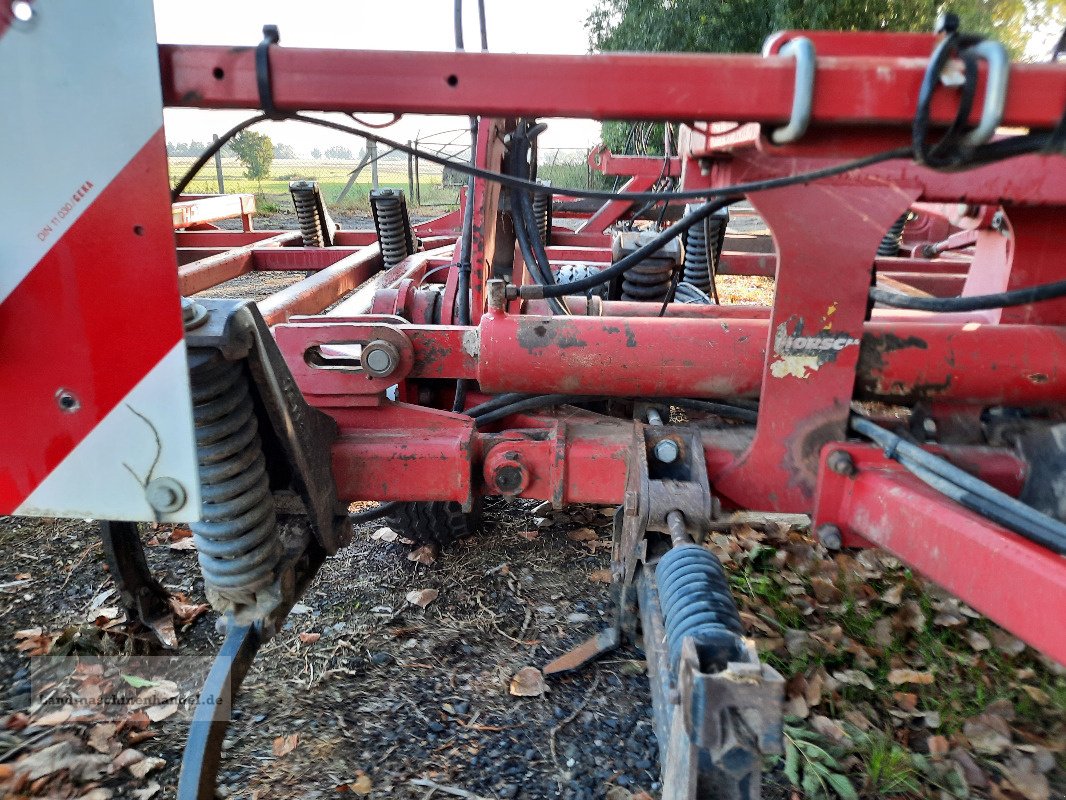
x=95, y=409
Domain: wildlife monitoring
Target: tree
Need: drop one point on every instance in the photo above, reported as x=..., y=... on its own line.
x=284, y=151
x=256, y=152
x=740, y=26
x=316, y=153
x=338, y=153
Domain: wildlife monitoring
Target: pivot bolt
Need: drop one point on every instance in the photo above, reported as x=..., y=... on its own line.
x=666, y=451
x=165, y=495
x=829, y=536
x=841, y=463
x=380, y=358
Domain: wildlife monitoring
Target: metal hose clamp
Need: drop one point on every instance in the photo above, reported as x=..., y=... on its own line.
x=802, y=49
x=995, y=55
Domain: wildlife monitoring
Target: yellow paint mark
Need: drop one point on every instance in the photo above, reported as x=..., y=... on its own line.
x=797, y=366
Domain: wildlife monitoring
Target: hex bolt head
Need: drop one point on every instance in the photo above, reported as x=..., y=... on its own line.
x=380, y=358
x=666, y=451
x=165, y=495
x=829, y=536
x=841, y=463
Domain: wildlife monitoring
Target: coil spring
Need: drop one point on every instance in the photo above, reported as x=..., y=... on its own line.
x=307, y=216
x=541, y=206
x=648, y=281
x=696, y=601
x=236, y=541
x=893, y=239
x=392, y=233
x=703, y=249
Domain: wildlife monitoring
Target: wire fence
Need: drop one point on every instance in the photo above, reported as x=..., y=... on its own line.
x=346, y=178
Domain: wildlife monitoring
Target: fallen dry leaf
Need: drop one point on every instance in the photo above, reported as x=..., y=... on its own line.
x=422, y=597
x=938, y=746
x=1031, y=784
x=127, y=758
x=283, y=745
x=425, y=555
x=161, y=712
x=102, y=738
x=1037, y=694
x=34, y=642
x=53, y=718
x=828, y=728
x=83, y=767
x=893, y=596
x=600, y=576
x=582, y=535
x=185, y=611
x=146, y=765
x=385, y=535
x=910, y=615
x=898, y=677
x=825, y=591
x=528, y=682
x=529, y=536
x=183, y=544
x=854, y=677
x=309, y=638
x=179, y=532
x=987, y=733
x=148, y=792
x=362, y=785
x=978, y=641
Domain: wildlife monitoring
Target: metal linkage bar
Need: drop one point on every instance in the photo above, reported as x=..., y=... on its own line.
x=612, y=86
x=997, y=572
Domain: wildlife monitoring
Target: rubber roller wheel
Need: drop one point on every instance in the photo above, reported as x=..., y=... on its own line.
x=437, y=522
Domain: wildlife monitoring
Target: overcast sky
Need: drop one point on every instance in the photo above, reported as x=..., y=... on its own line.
x=540, y=26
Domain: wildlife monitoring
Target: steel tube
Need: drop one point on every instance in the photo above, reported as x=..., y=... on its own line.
x=212, y=271
x=899, y=361
x=314, y=293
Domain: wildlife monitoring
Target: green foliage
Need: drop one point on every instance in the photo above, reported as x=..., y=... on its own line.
x=256, y=152
x=338, y=152
x=284, y=151
x=817, y=767
x=316, y=153
x=813, y=765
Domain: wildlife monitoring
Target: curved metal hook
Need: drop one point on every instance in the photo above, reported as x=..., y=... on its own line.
x=802, y=49
x=995, y=55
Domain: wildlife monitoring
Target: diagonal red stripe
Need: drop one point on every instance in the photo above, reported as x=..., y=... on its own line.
x=93, y=317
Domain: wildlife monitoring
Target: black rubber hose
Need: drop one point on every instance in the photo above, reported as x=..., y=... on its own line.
x=530, y=403
x=979, y=302
x=633, y=259
x=970, y=491
x=373, y=513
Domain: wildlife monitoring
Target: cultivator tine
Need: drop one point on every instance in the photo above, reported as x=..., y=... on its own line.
x=203, y=748
x=141, y=593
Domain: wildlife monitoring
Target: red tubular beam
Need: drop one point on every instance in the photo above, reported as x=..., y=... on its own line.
x=220, y=239
x=300, y=258
x=314, y=293
x=658, y=86
x=1016, y=583
x=212, y=271
x=899, y=361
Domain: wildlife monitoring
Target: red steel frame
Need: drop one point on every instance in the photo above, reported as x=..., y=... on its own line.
x=806, y=358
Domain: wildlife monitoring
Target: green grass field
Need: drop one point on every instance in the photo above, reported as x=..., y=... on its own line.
x=332, y=176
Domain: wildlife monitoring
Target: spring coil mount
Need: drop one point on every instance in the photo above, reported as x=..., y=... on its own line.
x=893, y=239
x=391, y=220
x=703, y=249
x=541, y=213
x=648, y=281
x=696, y=601
x=236, y=541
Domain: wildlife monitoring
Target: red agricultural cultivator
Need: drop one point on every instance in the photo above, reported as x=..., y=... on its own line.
x=905, y=389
